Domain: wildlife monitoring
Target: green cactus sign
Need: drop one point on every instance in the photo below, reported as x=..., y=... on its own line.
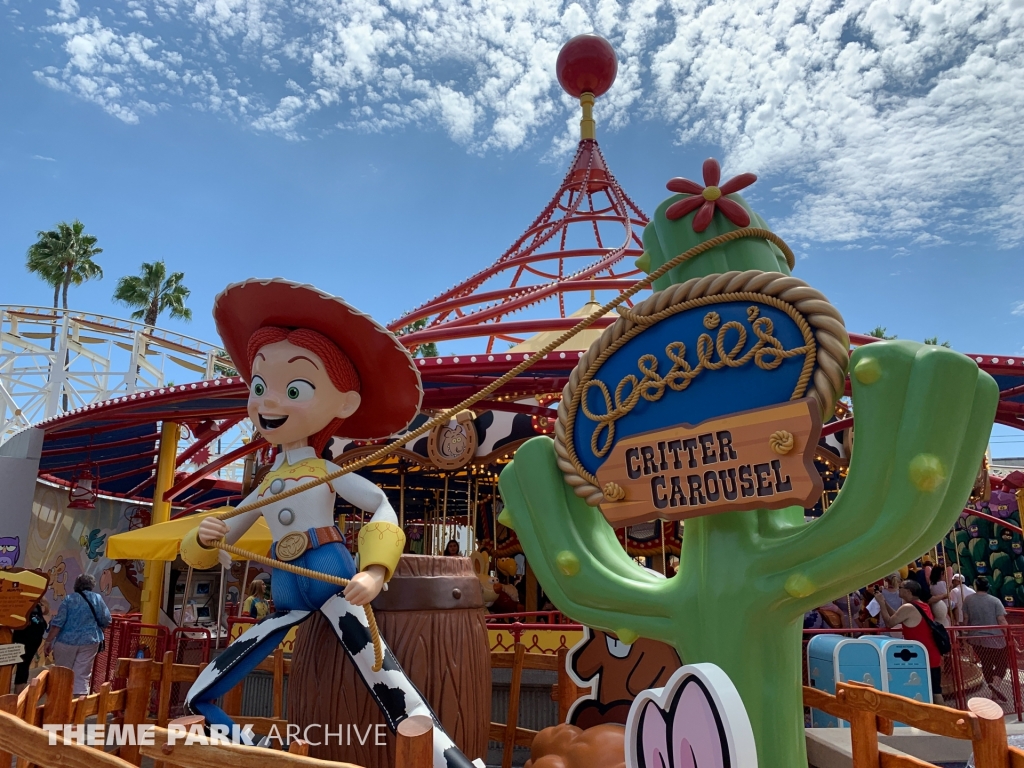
x=923, y=415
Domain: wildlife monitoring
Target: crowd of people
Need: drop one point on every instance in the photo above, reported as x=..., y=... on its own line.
x=921, y=607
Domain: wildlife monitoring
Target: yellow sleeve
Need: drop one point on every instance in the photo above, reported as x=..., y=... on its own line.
x=195, y=554
x=381, y=544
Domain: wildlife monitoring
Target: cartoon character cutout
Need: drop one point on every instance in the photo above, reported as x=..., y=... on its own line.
x=10, y=551
x=616, y=673
x=697, y=720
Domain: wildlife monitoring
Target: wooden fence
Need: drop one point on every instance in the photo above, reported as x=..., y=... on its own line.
x=565, y=692
x=870, y=712
x=48, y=699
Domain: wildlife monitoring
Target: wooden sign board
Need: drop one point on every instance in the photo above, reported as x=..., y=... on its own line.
x=20, y=590
x=759, y=459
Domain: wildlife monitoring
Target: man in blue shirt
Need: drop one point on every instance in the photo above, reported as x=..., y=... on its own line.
x=77, y=631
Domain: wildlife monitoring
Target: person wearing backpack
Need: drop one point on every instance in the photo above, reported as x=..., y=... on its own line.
x=917, y=622
x=76, y=632
x=986, y=610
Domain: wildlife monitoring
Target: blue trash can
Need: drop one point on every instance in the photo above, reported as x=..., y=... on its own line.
x=885, y=663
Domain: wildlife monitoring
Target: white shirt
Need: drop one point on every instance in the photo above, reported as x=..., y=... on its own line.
x=313, y=508
x=959, y=593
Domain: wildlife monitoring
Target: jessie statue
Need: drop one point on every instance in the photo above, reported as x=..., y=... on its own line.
x=316, y=368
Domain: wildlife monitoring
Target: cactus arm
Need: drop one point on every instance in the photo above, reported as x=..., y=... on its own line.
x=921, y=415
x=575, y=555
x=590, y=527
x=966, y=470
x=779, y=523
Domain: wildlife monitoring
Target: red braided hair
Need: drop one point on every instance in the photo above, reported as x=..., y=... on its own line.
x=342, y=373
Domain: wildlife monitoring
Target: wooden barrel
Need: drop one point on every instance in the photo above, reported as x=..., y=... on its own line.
x=432, y=617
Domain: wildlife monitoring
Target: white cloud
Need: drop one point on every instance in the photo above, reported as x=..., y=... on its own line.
x=45, y=158
x=894, y=117
x=1018, y=308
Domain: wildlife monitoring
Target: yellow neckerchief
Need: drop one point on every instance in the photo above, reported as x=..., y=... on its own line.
x=303, y=469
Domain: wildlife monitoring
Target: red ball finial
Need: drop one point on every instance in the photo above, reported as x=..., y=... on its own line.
x=586, y=64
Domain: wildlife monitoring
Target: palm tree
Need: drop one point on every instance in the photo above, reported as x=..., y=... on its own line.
x=428, y=349
x=153, y=291
x=63, y=257
x=879, y=332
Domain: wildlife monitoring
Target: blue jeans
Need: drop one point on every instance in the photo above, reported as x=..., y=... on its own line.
x=291, y=591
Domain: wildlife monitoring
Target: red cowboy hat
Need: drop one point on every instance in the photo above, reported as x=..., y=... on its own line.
x=391, y=389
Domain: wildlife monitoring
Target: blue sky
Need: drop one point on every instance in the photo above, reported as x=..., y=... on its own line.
x=385, y=150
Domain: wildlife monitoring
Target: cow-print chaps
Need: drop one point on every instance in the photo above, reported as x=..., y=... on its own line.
x=391, y=688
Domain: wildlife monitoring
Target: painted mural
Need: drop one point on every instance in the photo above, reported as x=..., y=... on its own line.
x=66, y=542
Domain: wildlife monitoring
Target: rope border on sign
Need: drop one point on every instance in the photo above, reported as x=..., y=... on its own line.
x=819, y=322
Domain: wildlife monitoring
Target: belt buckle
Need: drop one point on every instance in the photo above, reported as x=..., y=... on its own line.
x=292, y=545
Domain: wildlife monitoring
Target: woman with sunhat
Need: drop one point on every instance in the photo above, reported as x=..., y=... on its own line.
x=316, y=368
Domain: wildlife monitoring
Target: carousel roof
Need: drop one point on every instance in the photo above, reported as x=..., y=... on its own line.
x=119, y=436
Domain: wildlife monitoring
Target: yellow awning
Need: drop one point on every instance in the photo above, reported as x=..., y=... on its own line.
x=161, y=541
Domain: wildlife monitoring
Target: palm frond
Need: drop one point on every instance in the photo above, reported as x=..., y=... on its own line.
x=154, y=292
x=64, y=255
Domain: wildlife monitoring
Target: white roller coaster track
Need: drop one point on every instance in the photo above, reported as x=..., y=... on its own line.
x=93, y=358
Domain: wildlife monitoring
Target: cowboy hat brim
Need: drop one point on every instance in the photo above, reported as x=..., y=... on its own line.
x=391, y=389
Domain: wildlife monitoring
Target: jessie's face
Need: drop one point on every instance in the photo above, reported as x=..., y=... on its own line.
x=291, y=397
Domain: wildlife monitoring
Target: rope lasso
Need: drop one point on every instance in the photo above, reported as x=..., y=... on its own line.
x=446, y=416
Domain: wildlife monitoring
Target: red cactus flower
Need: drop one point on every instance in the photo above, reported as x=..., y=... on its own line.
x=709, y=197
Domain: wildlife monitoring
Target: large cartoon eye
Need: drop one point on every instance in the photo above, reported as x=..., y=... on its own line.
x=258, y=386
x=300, y=390
x=617, y=649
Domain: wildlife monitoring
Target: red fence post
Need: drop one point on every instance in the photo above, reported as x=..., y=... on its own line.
x=958, y=671
x=193, y=640
x=1011, y=649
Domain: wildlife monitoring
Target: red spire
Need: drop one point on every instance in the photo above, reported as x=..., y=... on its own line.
x=576, y=245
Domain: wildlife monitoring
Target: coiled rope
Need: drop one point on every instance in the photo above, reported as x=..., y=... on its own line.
x=446, y=416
